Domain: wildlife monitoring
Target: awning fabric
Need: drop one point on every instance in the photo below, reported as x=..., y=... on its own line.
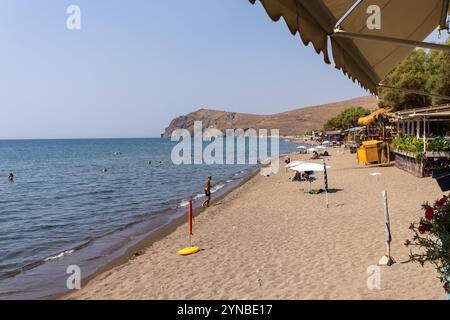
x=372, y=118
x=367, y=62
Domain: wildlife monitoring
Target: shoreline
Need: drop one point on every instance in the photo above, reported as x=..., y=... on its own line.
x=269, y=240
x=153, y=237
x=47, y=279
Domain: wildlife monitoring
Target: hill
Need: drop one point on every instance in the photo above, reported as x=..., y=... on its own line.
x=291, y=123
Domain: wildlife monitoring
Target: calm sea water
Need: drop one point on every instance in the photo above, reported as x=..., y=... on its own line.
x=63, y=209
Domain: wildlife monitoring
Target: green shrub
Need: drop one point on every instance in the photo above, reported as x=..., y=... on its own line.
x=414, y=145
x=438, y=144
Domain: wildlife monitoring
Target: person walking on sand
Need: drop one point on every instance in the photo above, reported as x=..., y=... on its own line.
x=207, y=187
x=11, y=178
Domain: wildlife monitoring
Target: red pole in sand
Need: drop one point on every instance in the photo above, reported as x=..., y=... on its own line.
x=190, y=233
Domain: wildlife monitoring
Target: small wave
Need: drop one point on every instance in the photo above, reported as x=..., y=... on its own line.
x=217, y=188
x=198, y=196
x=60, y=255
x=228, y=181
x=183, y=204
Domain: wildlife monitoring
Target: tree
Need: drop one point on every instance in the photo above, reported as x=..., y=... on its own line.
x=346, y=119
x=410, y=74
x=439, y=81
x=427, y=71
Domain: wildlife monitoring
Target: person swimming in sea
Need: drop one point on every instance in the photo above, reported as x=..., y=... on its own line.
x=11, y=178
x=207, y=187
x=105, y=170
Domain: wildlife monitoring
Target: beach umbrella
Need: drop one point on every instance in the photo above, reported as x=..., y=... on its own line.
x=316, y=149
x=293, y=164
x=326, y=143
x=368, y=38
x=302, y=149
x=304, y=167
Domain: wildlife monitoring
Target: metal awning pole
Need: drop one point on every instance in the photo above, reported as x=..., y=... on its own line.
x=443, y=25
x=410, y=43
x=433, y=95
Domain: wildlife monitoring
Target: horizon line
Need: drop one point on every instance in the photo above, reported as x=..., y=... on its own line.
x=93, y=138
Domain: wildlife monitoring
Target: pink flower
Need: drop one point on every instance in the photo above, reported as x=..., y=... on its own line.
x=429, y=213
x=422, y=228
x=441, y=202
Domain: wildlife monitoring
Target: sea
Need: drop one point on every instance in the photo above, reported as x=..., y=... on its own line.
x=85, y=202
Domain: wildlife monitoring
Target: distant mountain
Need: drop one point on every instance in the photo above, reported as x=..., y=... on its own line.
x=291, y=123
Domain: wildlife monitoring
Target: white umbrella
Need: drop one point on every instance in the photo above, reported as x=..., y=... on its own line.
x=309, y=167
x=294, y=163
x=316, y=149
x=326, y=143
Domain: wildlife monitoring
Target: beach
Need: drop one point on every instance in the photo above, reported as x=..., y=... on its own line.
x=270, y=239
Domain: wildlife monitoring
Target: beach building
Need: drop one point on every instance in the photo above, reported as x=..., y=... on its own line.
x=375, y=137
x=333, y=135
x=422, y=143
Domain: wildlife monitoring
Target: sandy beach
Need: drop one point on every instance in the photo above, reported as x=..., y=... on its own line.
x=270, y=239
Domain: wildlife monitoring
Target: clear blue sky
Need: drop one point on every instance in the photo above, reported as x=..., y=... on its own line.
x=137, y=64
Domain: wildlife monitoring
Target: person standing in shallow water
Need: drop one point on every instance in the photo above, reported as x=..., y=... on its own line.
x=11, y=178
x=207, y=187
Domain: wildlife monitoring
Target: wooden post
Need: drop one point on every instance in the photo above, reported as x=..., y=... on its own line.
x=418, y=129
x=388, y=153
x=424, y=135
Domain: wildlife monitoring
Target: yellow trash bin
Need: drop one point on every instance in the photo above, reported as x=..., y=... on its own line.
x=361, y=153
x=369, y=152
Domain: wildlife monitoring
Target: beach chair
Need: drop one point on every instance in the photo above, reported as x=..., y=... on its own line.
x=311, y=178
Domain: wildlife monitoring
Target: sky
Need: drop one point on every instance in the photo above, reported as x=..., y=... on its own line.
x=135, y=65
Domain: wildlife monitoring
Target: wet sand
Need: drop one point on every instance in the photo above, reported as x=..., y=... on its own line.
x=270, y=239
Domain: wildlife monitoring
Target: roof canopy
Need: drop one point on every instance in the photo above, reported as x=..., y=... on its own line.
x=363, y=60
x=438, y=113
x=372, y=118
